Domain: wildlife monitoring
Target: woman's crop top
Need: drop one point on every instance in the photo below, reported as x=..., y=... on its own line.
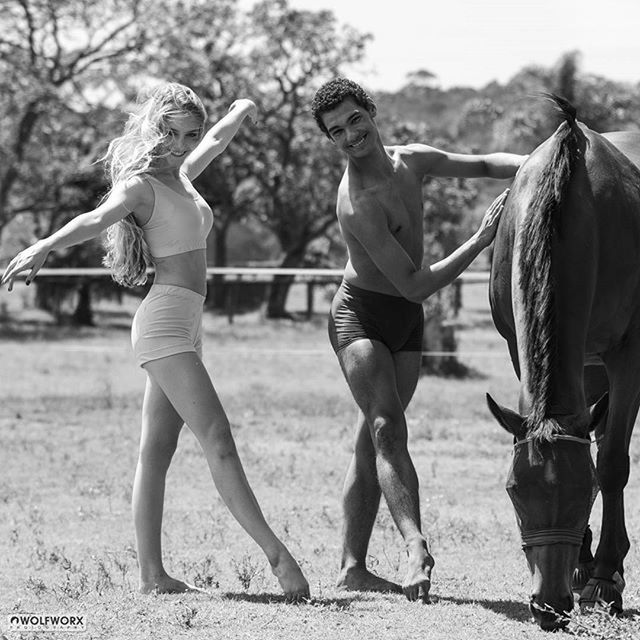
x=178, y=223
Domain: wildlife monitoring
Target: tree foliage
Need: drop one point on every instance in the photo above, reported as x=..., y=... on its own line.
x=69, y=70
x=75, y=63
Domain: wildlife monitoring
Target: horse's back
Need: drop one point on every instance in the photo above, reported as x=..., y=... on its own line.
x=628, y=142
x=597, y=250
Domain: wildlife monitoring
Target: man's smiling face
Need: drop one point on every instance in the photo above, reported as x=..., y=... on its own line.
x=351, y=127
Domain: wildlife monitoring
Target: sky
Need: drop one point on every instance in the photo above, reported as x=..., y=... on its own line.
x=472, y=42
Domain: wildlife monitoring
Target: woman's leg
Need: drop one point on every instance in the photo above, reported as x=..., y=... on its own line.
x=161, y=427
x=186, y=383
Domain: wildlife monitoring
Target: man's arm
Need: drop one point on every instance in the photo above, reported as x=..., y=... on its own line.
x=368, y=224
x=425, y=160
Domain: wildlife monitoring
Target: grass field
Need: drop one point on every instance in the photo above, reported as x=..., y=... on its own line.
x=69, y=421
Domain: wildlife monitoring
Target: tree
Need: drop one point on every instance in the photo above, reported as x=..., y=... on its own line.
x=280, y=172
x=49, y=50
x=296, y=171
x=421, y=78
x=54, y=57
x=69, y=64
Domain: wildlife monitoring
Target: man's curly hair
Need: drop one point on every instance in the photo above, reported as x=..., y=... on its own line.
x=332, y=93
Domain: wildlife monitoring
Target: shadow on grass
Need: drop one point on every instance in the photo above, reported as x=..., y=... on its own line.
x=278, y=598
x=512, y=609
x=27, y=330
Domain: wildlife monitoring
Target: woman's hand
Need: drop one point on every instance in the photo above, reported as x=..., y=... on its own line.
x=248, y=107
x=489, y=225
x=32, y=258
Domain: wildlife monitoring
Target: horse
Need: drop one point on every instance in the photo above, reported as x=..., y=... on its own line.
x=564, y=292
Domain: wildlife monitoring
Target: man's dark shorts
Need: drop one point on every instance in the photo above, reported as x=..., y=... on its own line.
x=359, y=313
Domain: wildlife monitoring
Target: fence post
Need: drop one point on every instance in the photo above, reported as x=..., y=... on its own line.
x=231, y=300
x=310, y=299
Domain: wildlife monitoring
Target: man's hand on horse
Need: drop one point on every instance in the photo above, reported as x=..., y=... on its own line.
x=489, y=224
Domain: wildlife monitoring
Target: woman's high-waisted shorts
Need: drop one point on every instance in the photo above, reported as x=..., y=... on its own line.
x=168, y=321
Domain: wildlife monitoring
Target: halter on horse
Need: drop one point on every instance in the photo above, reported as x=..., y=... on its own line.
x=565, y=294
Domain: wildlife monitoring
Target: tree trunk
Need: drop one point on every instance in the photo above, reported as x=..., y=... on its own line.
x=50, y=293
x=83, y=314
x=276, y=305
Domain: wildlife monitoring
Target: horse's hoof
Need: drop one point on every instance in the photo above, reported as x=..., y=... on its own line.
x=581, y=577
x=603, y=593
x=619, y=582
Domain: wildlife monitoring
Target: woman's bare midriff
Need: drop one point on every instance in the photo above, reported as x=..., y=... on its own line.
x=188, y=270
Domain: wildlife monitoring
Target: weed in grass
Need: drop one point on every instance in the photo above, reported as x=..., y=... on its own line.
x=74, y=587
x=185, y=616
x=103, y=581
x=36, y=586
x=57, y=557
x=246, y=570
x=122, y=566
x=598, y=624
x=204, y=572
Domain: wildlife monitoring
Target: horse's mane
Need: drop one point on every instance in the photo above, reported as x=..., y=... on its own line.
x=541, y=223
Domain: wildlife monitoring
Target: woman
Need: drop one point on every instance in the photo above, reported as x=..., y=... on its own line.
x=155, y=217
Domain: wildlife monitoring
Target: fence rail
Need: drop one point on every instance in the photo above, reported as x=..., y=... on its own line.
x=244, y=273
x=233, y=276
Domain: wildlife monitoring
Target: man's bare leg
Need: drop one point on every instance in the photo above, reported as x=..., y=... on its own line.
x=360, y=501
x=374, y=375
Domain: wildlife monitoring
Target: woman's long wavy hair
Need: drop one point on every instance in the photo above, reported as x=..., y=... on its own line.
x=144, y=141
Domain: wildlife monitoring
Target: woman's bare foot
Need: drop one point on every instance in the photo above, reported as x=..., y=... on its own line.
x=417, y=581
x=290, y=577
x=360, y=579
x=166, y=584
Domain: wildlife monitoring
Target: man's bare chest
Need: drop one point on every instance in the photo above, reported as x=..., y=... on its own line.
x=403, y=209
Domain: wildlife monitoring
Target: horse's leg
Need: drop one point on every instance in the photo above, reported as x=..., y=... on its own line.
x=595, y=384
x=606, y=584
x=584, y=570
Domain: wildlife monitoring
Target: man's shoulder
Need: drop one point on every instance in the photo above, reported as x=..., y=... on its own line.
x=417, y=156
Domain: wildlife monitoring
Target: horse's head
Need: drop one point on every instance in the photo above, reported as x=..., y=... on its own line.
x=552, y=485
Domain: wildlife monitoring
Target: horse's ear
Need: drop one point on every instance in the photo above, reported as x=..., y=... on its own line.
x=510, y=420
x=599, y=410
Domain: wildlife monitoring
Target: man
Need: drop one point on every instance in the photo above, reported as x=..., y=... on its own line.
x=376, y=319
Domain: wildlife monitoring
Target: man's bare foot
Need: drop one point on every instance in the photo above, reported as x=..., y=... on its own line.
x=291, y=578
x=360, y=579
x=417, y=582
x=166, y=584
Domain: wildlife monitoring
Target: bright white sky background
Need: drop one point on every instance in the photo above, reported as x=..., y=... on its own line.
x=472, y=42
